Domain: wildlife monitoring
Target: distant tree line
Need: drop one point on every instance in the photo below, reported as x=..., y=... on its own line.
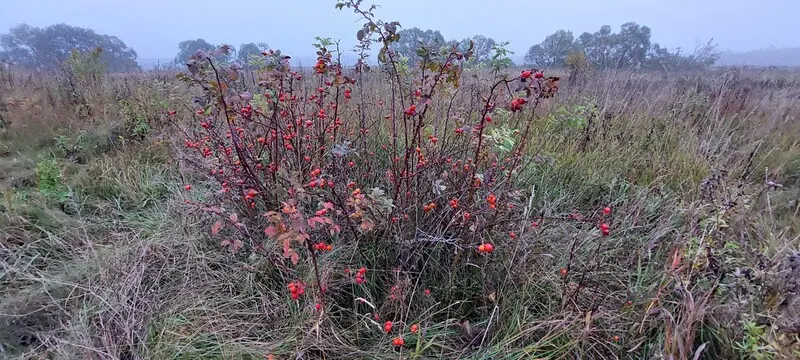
x=412, y=38
x=45, y=48
x=247, y=55
x=629, y=48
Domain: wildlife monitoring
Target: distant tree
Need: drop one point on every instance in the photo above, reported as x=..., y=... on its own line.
x=706, y=55
x=632, y=45
x=629, y=48
x=247, y=51
x=660, y=58
x=42, y=48
x=603, y=42
x=188, y=48
x=552, y=51
x=482, y=48
x=411, y=39
x=536, y=56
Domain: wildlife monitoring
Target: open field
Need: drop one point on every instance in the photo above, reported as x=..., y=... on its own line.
x=144, y=217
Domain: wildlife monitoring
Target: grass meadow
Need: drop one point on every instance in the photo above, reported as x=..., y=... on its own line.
x=316, y=214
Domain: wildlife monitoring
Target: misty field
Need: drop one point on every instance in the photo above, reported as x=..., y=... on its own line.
x=391, y=211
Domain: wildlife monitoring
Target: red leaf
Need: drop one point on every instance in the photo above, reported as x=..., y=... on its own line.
x=225, y=243
x=316, y=219
x=216, y=228
x=234, y=218
x=286, y=247
x=676, y=260
x=237, y=244
x=367, y=225
x=271, y=231
x=327, y=205
x=213, y=209
x=288, y=208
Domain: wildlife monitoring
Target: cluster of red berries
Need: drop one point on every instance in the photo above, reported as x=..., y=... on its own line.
x=527, y=74
x=604, y=229
x=394, y=292
x=492, y=200
x=485, y=248
x=412, y=110
x=516, y=104
x=454, y=203
x=317, y=181
x=323, y=247
x=321, y=183
x=246, y=111
x=387, y=326
x=320, y=66
x=360, y=275
x=347, y=93
x=429, y=207
x=414, y=328
x=398, y=341
x=250, y=195
x=297, y=289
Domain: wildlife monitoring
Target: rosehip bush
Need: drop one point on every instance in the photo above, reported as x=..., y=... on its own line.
x=307, y=163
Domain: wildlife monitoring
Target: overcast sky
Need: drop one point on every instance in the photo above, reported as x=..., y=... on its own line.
x=154, y=27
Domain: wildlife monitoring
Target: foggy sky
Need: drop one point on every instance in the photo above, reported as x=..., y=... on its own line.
x=154, y=27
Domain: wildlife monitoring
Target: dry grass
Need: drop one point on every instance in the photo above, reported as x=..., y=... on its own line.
x=706, y=166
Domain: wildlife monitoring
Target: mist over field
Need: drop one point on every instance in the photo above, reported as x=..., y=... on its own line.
x=406, y=180
x=155, y=28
